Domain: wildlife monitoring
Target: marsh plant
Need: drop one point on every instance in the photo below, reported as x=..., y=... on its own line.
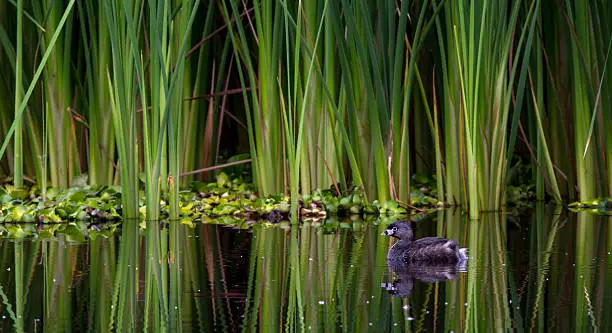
x=320, y=94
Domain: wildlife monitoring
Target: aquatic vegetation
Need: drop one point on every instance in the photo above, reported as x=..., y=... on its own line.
x=601, y=206
x=229, y=201
x=77, y=232
x=92, y=228
x=350, y=95
x=199, y=201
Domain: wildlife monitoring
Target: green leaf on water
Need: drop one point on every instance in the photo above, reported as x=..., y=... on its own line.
x=20, y=193
x=223, y=180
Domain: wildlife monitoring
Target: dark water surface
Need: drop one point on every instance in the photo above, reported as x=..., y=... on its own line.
x=548, y=270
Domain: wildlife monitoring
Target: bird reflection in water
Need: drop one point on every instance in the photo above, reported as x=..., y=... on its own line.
x=406, y=274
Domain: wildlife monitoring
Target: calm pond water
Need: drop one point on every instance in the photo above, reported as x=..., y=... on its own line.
x=548, y=270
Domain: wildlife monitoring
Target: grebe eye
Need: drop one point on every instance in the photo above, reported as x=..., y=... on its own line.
x=394, y=228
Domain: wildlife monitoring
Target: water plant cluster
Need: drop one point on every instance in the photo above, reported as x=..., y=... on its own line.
x=227, y=197
x=311, y=94
x=72, y=232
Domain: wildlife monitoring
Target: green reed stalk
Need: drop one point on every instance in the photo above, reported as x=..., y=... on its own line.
x=334, y=156
x=96, y=44
x=556, y=60
x=401, y=145
x=543, y=158
x=58, y=94
x=168, y=45
x=453, y=122
x=537, y=92
x=601, y=42
x=605, y=24
x=322, y=158
x=239, y=40
x=203, y=119
x=267, y=120
x=121, y=17
x=487, y=88
x=155, y=135
x=262, y=103
x=434, y=127
x=161, y=136
x=155, y=110
x=437, y=132
x=366, y=102
x=294, y=114
x=182, y=30
x=375, y=93
x=7, y=102
x=583, y=75
x=32, y=123
x=24, y=101
x=18, y=143
x=606, y=85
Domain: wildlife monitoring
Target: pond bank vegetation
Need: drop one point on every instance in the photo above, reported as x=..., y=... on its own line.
x=314, y=95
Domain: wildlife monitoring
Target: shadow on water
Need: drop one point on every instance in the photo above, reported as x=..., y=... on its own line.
x=546, y=271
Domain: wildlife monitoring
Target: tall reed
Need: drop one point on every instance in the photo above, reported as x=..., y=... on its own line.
x=317, y=103
x=122, y=19
x=59, y=93
x=261, y=104
x=95, y=40
x=583, y=75
x=487, y=75
x=18, y=145
x=16, y=126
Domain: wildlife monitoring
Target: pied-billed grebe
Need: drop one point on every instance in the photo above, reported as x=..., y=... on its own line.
x=429, y=250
